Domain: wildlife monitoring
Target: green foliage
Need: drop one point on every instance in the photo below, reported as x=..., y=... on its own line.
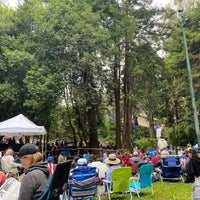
x=146, y=143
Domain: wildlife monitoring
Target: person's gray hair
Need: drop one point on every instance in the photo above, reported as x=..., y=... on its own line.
x=9, y=152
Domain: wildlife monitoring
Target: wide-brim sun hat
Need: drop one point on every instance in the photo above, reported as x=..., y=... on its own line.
x=112, y=160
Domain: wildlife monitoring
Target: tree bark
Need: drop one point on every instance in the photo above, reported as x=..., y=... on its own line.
x=127, y=139
x=117, y=103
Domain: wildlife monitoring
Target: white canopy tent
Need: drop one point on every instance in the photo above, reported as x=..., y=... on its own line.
x=20, y=126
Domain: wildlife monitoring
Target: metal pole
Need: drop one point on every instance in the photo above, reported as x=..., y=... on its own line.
x=196, y=121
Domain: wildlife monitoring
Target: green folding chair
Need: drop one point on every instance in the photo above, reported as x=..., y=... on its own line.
x=120, y=181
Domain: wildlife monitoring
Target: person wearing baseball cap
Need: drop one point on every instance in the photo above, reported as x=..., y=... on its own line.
x=36, y=172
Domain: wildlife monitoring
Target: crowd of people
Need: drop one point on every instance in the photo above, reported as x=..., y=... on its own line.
x=34, y=173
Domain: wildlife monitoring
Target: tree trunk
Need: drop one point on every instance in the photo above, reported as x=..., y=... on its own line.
x=127, y=139
x=151, y=125
x=92, y=128
x=117, y=102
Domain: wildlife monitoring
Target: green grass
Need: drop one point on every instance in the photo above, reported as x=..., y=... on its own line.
x=162, y=191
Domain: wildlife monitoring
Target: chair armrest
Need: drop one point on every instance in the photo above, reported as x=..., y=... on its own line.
x=134, y=178
x=107, y=184
x=106, y=181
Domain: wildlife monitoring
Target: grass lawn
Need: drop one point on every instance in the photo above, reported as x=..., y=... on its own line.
x=162, y=191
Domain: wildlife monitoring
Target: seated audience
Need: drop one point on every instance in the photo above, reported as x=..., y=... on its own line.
x=165, y=153
x=51, y=164
x=156, y=159
x=101, y=169
x=86, y=156
x=134, y=160
x=62, y=157
x=162, y=144
x=3, y=178
x=125, y=159
x=193, y=168
x=36, y=172
x=193, y=172
x=8, y=164
x=82, y=162
x=74, y=161
x=82, y=177
x=113, y=162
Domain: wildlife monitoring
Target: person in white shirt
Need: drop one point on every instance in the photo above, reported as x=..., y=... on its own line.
x=8, y=164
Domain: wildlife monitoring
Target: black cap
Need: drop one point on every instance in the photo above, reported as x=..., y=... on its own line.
x=28, y=149
x=192, y=150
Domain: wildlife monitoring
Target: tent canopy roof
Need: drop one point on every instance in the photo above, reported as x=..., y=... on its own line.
x=20, y=126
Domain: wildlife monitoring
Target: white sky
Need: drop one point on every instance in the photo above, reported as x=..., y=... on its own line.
x=161, y=2
x=13, y=3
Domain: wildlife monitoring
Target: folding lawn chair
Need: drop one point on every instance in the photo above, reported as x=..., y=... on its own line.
x=120, y=181
x=83, y=183
x=144, y=179
x=57, y=182
x=152, y=152
x=171, y=169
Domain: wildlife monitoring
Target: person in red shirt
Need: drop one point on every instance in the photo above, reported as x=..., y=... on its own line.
x=156, y=159
x=157, y=164
x=3, y=178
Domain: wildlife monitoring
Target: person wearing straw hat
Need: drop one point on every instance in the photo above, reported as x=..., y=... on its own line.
x=112, y=162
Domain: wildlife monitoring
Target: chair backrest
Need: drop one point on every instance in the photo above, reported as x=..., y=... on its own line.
x=2, y=165
x=171, y=167
x=145, y=175
x=83, y=182
x=171, y=162
x=120, y=178
x=152, y=152
x=58, y=179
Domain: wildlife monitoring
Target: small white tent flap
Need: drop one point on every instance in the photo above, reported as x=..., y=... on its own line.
x=20, y=126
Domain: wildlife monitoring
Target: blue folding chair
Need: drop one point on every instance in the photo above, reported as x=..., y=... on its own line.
x=152, y=152
x=171, y=169
x=57, y=182
x=83, y=183
x=144, y=179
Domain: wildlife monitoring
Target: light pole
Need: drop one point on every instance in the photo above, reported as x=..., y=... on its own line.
x=196, y=121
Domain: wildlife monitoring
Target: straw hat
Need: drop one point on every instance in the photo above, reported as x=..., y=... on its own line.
x=112, y=160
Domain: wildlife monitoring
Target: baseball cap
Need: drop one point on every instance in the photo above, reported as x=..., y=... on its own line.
x=28, y=149
x=50, y=159
x=82, y=161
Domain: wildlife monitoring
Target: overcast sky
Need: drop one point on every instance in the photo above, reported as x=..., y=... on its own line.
x=161, y=2
x=13, y=3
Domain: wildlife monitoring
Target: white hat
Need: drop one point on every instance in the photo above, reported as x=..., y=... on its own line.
x=82, y=161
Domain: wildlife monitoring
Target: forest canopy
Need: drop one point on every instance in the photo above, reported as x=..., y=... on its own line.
x=89, y=71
